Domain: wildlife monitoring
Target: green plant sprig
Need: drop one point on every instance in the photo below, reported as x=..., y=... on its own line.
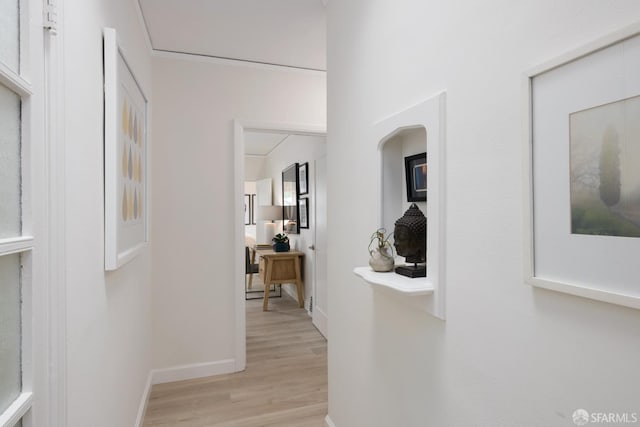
x=280, y=238
x=382, y=241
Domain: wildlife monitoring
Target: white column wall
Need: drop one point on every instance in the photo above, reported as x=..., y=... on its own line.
x=507, y=354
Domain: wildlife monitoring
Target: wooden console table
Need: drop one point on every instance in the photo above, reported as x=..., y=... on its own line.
x=278, y=268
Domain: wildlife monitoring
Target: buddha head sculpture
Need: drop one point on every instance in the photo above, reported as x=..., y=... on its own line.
x=410, y=235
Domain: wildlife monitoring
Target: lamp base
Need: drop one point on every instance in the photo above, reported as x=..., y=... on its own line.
x=269, y=231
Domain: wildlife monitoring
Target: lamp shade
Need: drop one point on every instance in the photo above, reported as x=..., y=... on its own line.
x=269, y=213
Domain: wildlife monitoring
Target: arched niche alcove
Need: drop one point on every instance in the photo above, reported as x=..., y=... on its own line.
x=403, y=143
x=415, y=130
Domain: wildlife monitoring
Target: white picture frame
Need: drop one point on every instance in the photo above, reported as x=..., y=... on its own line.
x=599, y=267
x=125, y=161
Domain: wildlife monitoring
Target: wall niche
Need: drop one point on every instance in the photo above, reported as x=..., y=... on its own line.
x=417, y=129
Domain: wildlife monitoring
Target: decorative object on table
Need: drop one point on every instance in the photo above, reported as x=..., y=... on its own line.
x=290, y=190
x=303, y=178
x=269, y=213
x=125, y=158
x=410, y=241
x=303, y=206
x=415, y=171
x=381, y=256
x=247, y=209
x=281, y=243
x=583, y=171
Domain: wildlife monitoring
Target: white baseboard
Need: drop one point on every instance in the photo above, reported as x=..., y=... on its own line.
x=328, y=422
x=142, y=409
x=290, y=290
x=196, y=370
x=322, y=321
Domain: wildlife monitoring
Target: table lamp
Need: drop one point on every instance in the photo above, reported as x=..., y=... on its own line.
x=269, y=213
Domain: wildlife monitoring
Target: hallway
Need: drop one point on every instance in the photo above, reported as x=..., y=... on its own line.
x=285, y=383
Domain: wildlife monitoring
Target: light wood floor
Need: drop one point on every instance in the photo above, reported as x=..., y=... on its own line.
x=284, y=385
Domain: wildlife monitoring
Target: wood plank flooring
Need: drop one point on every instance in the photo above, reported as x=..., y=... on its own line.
x=284, y=385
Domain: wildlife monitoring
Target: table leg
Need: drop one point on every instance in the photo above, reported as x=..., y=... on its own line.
x=267, y=285
x=299, y=284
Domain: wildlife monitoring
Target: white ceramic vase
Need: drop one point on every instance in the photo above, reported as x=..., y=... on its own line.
x=381, y=260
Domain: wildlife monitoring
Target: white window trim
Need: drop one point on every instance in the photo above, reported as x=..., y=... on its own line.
x=16, y=245
x=17, y=409
x=39, y=83
x=56, y=358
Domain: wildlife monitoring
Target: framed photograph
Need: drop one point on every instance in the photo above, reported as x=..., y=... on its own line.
x=582, y=204
x=125, y=158
x=304, y=212
x=415, y=170
x=247, y=209
x=303, y=177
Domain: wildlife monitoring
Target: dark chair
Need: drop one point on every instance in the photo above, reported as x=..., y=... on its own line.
x=252, y=269
x=249, y=267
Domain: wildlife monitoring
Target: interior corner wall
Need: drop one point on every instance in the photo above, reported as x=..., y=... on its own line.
x=253, y=166
x=195, y=103
x=298, y=149
x=507, y=354
x=108, y=313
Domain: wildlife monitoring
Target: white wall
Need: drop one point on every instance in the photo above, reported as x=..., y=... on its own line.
x=507, y=354
x=253, y=167
x=195, y=103
x=300, y=149
x=108, y=314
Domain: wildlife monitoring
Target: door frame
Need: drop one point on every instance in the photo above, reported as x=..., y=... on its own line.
x=239, y=127
x=319, y=315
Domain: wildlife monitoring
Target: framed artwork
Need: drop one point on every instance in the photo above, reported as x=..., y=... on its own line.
x=303, y=178
x=415, y=170
x=303, y=205
x=253, y=209
x=125, y=158
x=582, y=205
x=247, y=209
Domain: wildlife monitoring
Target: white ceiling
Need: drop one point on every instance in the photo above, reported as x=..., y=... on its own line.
x=282, y=32
x=261, y=143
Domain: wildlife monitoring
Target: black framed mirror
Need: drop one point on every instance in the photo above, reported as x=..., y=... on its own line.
x=290, y=209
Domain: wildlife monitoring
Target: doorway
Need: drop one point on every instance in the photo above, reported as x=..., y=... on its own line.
x=306, y=241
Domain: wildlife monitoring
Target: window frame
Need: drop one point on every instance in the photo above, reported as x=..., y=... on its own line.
x=19, y=82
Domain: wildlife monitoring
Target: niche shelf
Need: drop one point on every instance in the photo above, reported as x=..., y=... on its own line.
x=402, y=285
x=418, y=129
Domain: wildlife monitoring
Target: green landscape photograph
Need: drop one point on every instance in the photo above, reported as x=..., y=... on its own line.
x=605, y=169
